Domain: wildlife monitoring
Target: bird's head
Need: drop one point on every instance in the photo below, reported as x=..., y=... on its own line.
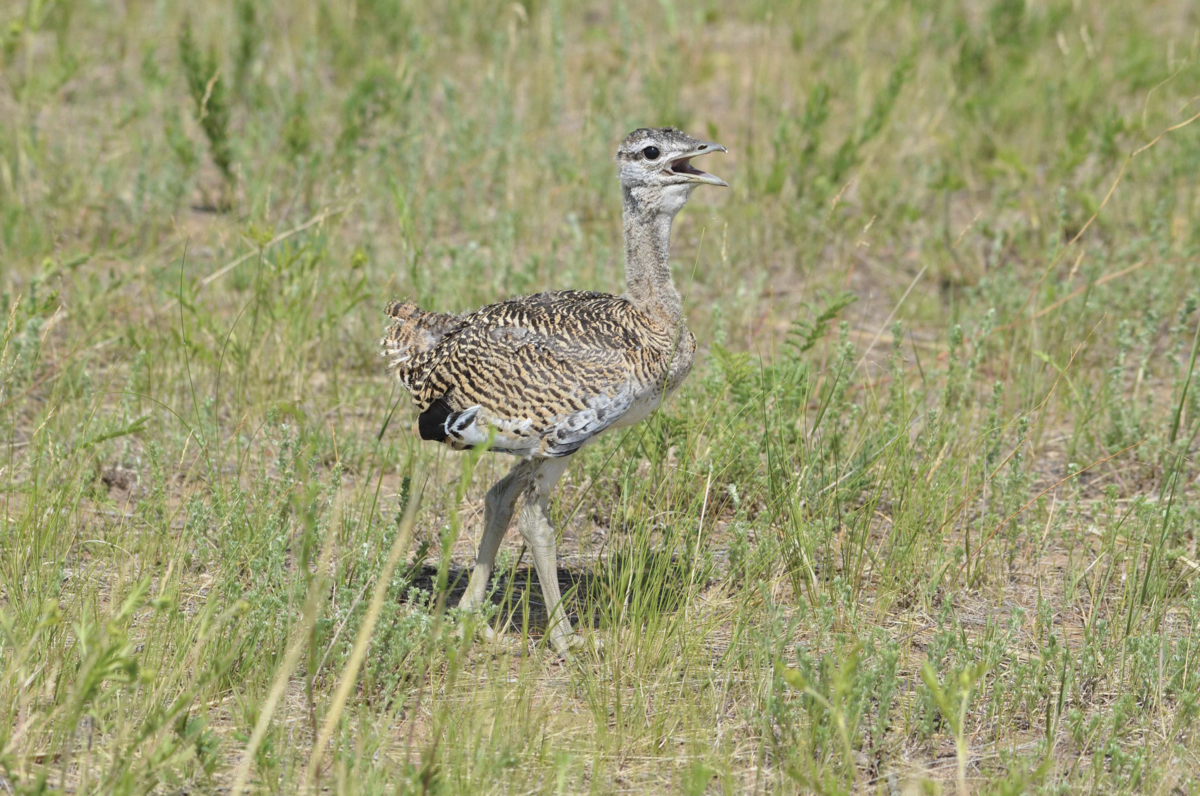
x=656, y=168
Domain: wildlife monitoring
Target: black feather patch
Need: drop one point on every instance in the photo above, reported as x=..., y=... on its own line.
x=432, y=422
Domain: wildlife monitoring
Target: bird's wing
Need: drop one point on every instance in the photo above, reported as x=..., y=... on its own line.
x=536, y=376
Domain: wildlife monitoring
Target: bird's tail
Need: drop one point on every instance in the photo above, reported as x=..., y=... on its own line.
x=413, y=332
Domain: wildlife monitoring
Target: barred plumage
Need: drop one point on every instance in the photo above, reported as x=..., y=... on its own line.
x=541, y=373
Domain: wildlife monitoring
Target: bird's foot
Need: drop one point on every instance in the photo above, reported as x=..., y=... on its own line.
x=570, y=644
x=505, y=642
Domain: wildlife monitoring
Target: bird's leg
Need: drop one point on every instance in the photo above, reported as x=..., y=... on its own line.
x=497, y=514
x=534, y=525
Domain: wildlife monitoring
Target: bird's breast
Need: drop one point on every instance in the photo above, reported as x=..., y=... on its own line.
x=681, y=361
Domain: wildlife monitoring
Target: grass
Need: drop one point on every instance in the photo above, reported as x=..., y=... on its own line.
x=923, y=518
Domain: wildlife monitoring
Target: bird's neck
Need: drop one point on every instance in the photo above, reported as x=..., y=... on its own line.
x=648, y=282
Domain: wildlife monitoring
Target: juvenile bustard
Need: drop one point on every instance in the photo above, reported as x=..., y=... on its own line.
x=539, y=376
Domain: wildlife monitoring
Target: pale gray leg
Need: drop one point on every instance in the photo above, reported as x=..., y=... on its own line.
x=497, y=514
x=534, y=525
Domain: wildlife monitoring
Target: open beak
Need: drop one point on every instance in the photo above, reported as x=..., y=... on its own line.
x=683, y=165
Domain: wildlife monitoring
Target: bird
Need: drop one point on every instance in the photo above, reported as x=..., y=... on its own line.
x=540, y=376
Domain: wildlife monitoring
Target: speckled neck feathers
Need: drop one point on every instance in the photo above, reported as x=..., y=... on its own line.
x=648, y=282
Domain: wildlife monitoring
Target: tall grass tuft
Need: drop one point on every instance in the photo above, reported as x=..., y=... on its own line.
x=211, y=109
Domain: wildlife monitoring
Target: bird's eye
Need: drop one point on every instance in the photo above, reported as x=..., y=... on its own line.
x=650, y=153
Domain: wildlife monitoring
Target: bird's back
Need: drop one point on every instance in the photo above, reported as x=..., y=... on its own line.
x=534, y=375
